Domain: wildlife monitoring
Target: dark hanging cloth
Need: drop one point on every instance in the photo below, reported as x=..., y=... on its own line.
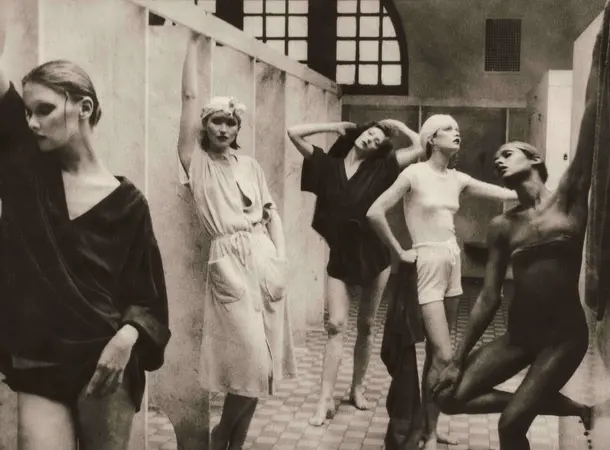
x=597, y=254
x=403, y=329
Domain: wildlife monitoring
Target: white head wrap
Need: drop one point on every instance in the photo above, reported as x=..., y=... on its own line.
x=229, y=105
x=432, y=125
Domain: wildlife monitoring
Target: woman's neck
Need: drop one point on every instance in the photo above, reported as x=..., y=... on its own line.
x=78, y=157
x=531, y=192
x=438, y=161
x=354, y=155
x=220, y=152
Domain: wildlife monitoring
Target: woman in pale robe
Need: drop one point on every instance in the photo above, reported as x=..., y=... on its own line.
x=247, y=343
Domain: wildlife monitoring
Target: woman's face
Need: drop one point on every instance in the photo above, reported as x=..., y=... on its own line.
x=511, y=161
x=221, y=130
x=370, y=140
x=51, y=116
x=447, y=138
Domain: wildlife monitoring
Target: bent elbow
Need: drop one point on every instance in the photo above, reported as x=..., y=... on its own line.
x=291, y=132
x=374, y=214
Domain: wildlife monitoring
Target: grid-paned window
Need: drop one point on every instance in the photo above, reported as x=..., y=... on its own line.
x=368, y=52
x=282, y=24
x=503, y=45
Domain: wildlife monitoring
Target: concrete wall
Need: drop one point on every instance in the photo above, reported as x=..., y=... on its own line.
x=550, y=112
x=446, y=45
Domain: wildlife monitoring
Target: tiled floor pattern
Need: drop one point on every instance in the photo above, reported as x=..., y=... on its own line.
x=281, y=422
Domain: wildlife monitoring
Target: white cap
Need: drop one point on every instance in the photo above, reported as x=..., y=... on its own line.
x=432, y=125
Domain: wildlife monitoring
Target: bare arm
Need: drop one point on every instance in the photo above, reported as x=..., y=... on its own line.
x=297, y=133
x=378, y=210
x=276, y=233
x=481, y=189
x=4, y=82
x=489, y=299
x=409, y=155
x=191, y=104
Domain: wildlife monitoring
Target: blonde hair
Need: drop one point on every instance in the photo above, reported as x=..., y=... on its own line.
x=429, y=129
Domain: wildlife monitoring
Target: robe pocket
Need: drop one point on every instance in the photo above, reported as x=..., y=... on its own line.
x=226, y=279
x=274, y=280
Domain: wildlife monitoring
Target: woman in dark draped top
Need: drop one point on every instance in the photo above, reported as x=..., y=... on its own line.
x=543, y=237
x=83, y=300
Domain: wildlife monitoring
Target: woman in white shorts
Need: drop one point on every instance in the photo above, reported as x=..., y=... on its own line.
x=431, y=192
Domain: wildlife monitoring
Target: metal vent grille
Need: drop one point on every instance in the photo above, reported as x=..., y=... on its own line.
x=502, y=45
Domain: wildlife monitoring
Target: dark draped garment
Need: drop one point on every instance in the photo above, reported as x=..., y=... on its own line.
x=67, y=286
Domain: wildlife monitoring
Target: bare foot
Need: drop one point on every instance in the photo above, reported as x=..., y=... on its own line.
x=325, y=411
x=442, y=438
x=359, y=400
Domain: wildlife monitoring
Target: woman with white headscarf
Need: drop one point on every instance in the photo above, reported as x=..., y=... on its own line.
x=431, y=192
x=247, y=341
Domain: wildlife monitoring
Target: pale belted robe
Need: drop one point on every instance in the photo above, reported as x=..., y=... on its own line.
x=247, y=344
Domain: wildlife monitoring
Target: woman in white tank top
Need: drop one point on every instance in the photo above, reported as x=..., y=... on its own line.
x=431, y=192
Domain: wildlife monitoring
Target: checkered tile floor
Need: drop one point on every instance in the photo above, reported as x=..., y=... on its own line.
x=281, y=422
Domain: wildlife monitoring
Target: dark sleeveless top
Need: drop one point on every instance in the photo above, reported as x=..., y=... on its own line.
x=546, y=307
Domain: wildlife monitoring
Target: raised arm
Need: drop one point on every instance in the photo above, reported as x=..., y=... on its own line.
x=298, y=133
x=478, y=188
x=378, y=210
x=409, y=155
x=191, y=104
x=573, y=188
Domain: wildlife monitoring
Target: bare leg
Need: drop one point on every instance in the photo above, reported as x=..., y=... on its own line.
x=451, y=308
x=367, y=310
x=44, y=424
x=235, y=406
x=491, y=365
x=538, y=393
x=104, y=423
x=438, y=346
x=338, y=310
x=240, y=432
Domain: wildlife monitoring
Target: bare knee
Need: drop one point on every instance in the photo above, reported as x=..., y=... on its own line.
x=365, y=327
x=336, y=326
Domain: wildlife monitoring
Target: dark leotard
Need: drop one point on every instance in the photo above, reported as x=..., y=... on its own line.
x=546, y=309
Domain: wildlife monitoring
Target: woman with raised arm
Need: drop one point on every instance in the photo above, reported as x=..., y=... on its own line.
x=346, y=181
x=430, y=192
x=543, y=237
x=247, y=342
x=83, y=305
